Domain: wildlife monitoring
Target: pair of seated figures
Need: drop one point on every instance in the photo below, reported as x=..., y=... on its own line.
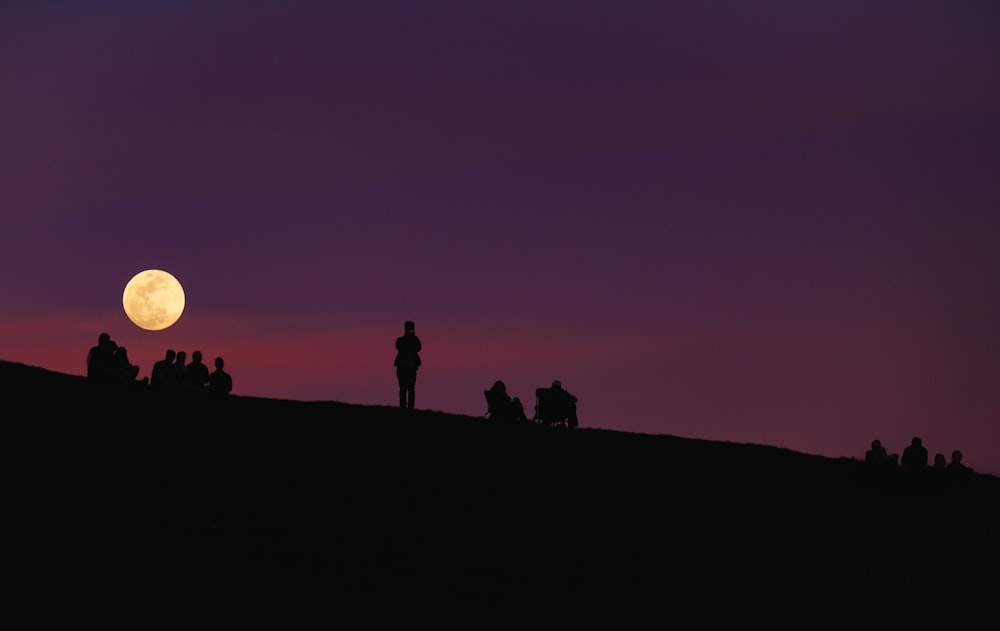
x=553, y=406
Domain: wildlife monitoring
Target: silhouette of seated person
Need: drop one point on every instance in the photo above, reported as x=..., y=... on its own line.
x=161, y=376
x=220, y=383
x=914, y=460
x=178, y=371
x=196, y=373
x=555, y=405
x=878, y=459
x=956, y=465
x=124, y=370
x=501, y=407
x=101, y=359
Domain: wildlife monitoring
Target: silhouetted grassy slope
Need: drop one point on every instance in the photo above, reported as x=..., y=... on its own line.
x=129, y=509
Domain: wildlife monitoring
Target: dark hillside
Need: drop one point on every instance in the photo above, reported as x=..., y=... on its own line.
x=121, y=508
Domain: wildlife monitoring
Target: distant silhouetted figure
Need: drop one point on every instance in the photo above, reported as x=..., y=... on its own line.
x=407, y=362
x=564, y=398
x=101, y=360
x=956, y=465
x=878, y=459
x=219, y=381
x=940, y=463
x=875, y=454
x=501, y=407
x=196, y=373
x=161, y=376
x=555, y=405
x=914, y=456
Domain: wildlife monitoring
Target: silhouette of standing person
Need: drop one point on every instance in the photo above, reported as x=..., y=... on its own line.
x=407, y=362
x=219, y=381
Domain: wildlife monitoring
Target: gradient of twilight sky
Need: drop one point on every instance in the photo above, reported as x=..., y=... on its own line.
x=774, y=222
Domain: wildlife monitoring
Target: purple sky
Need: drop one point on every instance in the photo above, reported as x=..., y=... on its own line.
x=774, y=222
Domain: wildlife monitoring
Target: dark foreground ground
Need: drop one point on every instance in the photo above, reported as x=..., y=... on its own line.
x=121, y=509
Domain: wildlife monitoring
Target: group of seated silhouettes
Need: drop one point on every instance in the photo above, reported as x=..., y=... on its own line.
x=108, y=362
x=915, y=459
x=553, y=406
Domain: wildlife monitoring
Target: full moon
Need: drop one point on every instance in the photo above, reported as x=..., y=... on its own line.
x=153, y=299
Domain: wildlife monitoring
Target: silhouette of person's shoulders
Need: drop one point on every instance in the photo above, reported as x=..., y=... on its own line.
x=161, y=376
x=915, y=455
x=956, y=465
x=219, y=381
x=101, y=359
x=196, y=373
x=878, y=461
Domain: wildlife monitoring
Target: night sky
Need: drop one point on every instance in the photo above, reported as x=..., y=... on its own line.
x=774, y=222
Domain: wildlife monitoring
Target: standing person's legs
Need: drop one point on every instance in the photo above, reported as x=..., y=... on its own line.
x=407, y=384
x=411, y=387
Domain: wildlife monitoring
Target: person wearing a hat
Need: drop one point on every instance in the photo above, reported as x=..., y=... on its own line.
x=407, y=362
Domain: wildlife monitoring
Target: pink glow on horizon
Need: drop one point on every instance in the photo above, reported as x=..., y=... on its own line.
x=705, y=390
x=762, y=224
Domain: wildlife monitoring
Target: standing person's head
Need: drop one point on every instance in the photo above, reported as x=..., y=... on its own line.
x=170, y=355
x=219, y=363
x=408, y=326
x=196, y=357
x=181, y=358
